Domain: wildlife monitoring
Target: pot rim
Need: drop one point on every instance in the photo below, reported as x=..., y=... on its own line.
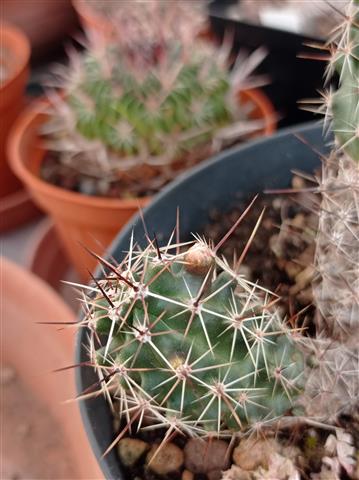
x=24, y=123
x=92, y=18
x=31, y=114
x=19, y=46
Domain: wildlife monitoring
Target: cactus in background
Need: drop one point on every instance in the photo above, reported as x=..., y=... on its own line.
x=191, y=342
x=141, y=112
x=336, y=290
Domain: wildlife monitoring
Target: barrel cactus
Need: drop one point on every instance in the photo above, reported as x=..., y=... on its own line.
x=334, y=380
x=141, y=115
x=182, y=338
x=337, y=244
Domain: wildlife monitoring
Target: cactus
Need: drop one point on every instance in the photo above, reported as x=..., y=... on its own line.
x=191, y=342
x=337, y=244
x=140, y=113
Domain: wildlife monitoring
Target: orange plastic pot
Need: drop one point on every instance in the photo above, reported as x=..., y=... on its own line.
x=15, y=51
x=80, y=220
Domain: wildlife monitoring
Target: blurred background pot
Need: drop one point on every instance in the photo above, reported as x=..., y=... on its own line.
x=15, y=203
x=220, y=183
x=21, y=333
x=83, y=220
x=15, y=55
x=80, y=220
x=91, y=20
x=45, y=22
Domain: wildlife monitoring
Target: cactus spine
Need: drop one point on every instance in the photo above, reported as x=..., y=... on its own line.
x=337, y=245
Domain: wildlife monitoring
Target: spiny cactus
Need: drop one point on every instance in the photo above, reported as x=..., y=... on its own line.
x=337, y=246
x=190, y=343
x=142, y=115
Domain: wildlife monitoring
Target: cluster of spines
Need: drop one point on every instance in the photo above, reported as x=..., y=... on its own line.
x=333, y=380
x=190, y=343
x=337, y=244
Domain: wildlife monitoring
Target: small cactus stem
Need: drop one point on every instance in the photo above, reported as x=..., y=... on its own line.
x=345, y=101
x=337, y=244
x=194, y=339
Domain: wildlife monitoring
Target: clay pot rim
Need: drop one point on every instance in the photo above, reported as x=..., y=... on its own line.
x=19, y=45
x=91, y=17
x=18, y=165
x=37, y=108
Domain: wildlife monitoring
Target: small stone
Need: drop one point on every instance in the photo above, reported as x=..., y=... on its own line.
x=168, y=459
x=252, y=453
x=7, y=375
x=236, y=473
x=298, y=221
x=214, y=475
x=187, y=475
x=202, y=456
x=130, y=450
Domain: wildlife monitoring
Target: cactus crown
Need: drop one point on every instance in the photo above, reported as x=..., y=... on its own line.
x=145, y=111
x=344, y=103
x=179, y=333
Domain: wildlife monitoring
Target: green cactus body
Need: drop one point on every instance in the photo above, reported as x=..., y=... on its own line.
x=191, y=336
x=337, y=246
x=345, y=104
x=131, y=116
x=334, y=383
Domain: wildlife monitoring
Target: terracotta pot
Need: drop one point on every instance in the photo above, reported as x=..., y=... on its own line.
x=17, y=208
x=83, y=220
x=262, y=110
x=46, y=257
x=91, y=21
x=46, y=23
x=15, y=51
x=80, y=220
x=36, y=350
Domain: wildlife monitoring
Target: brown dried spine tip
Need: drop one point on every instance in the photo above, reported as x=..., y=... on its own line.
x=199, y=259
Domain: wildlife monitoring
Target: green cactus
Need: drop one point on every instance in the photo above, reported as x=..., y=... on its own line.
x=191, y=339
x=142, y=113
x=337, y=242
x=345, y=103
x=334, y=383
x=152, y=116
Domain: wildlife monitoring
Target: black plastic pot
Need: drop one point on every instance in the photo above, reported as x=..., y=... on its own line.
x=291, y=78
x=218, y=183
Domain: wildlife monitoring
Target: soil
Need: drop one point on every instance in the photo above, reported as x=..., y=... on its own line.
x=67, y=177
x=282, y=252
x=32, y=444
